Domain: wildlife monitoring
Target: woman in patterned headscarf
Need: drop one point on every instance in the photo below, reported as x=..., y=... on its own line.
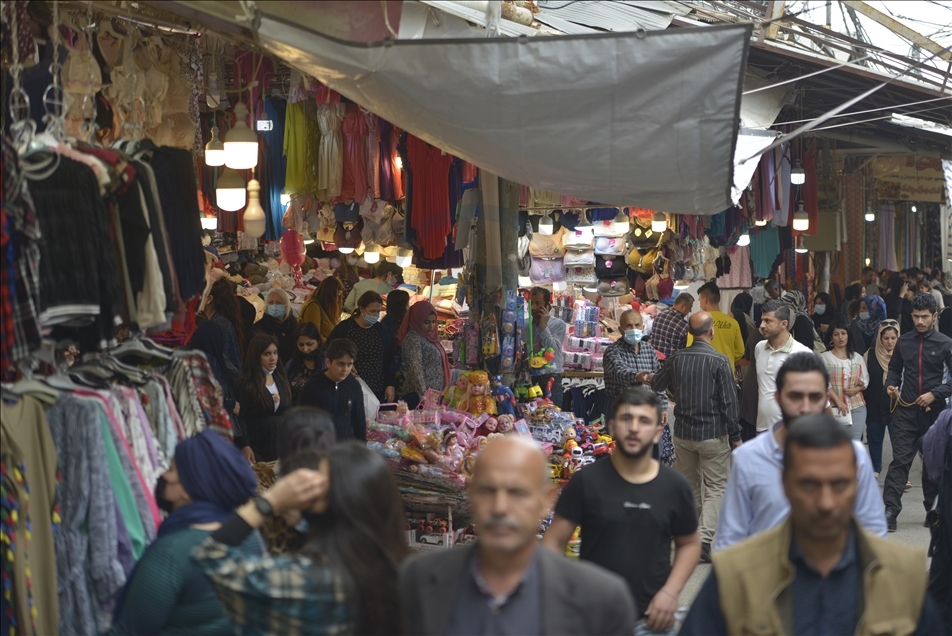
x=863, y=328
x=802, y=330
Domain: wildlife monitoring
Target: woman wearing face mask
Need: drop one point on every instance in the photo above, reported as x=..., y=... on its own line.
x=345, y=578
x=878, y=416
x=863, y=328
x=848, y=376
x=324, y=306
x=264, y=395
x=167, y=592
x=279, y=322
x=308, y=359
x=824, y=314
x=376, y=361
x=425, y=364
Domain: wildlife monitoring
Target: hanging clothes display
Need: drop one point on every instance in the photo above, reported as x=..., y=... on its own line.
x=275, y=166
x=430, y=206
x=331, y=150
x=354, y=180
x=295, y=151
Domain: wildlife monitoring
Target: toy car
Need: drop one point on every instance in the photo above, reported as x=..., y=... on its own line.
x=432, y=539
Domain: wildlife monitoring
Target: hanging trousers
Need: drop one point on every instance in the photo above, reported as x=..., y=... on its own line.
x=910, y=424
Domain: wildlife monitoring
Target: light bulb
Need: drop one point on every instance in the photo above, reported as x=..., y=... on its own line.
x=798, y=175
x=308, y=237
x=404, y=257
x=209, y=222
x=760, y=223
x=583, y=221
x=913, y=208
x=345, y=250
x=241, y=143
x=659, y=222
x=801, y=220
x=546, y=226
x=743, y=240
x=372, y=255
x=870, y=216
x=681, y=284
x=230, y=192
x=398, y=162
x=868, y=261
x=620, y=225
x=800, y=249
x=254, y=214
x=285, y=198
x=214, y=150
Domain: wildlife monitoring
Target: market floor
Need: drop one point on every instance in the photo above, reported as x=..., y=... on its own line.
x=909, y=529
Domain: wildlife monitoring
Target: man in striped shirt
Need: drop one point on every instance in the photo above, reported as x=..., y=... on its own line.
x=706, y=427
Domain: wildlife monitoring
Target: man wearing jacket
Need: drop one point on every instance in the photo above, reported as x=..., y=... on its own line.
x=507, y=583
x=915, y=385
x=818, y=572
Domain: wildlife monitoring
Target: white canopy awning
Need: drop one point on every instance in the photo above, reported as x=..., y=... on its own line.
x=644, y=119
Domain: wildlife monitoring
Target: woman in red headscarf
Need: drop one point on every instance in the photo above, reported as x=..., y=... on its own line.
x=424, y=359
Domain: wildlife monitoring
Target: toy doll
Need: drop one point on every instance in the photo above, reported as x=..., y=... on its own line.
x=478, y=399
x=505, y=398
x=454, y=394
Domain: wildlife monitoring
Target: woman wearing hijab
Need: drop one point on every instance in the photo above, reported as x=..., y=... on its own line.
x=863, y=328
x=824, y=315
x=424, y=360
x=802, y=329
x=167, y=592
x=210, y=340
x=740, y=310
x=878, y=417
x=279, y=322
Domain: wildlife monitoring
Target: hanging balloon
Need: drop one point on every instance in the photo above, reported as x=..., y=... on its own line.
x=293, y=251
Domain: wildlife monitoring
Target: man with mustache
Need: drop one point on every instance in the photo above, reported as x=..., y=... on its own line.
x=819, y=572
x=505, y=583
x=754, y=499
x=631, y=508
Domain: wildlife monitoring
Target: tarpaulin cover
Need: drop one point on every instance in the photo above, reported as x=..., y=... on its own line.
x=644, y=119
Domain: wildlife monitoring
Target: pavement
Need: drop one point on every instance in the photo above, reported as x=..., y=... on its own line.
x=909, y=529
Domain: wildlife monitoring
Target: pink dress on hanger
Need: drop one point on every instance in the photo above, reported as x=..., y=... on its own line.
x=354, y=184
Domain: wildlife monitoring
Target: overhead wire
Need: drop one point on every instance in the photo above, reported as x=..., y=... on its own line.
x=864, y=121
x=873, y=110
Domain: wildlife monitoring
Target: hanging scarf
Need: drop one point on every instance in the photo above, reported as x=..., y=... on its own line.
x=416, y=316
x=882, y=355
x=877, y=313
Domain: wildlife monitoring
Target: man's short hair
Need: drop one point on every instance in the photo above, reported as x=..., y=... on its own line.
x=868, y=269
x=924, y=301
x=703, y=328
x=340, y=347
x=779, y=309
x=815, y=431
x=802, y=362
x=711, y=292
x=386, y=267
x=684, y=298
x=636, y=396
x=772, y=284
x=542, y=291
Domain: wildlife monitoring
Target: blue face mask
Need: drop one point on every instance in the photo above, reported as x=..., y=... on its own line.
x=864, y=315
x=269, y=372
x=820, y=309
x=371, y=319
x=633, y=336
x=276, y=311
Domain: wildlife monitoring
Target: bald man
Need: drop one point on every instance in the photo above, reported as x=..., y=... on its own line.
x=506, y=583
x=706, y=425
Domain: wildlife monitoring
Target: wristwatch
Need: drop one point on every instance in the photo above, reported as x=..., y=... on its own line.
x=264, y=507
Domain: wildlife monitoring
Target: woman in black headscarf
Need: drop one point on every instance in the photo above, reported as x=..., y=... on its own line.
x=824, y=315
x=740, y=310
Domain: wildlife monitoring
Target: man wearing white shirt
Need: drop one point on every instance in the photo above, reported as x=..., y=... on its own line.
x=770, y=355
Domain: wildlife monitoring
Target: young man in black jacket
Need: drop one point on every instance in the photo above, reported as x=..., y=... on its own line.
x=915, y=384
x=338, y=391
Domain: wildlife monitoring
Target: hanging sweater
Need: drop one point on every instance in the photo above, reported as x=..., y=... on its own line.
x=344, y=401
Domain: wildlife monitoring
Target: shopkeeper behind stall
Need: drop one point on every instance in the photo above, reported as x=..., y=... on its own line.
x=376, y=360
x=425, y=364
x=548, y=332
x=386, y=275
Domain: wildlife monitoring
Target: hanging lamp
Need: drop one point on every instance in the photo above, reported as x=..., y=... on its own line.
x=659, y=222
x=209, y=222
x=583, y=222
x=241, y=143
x=230, y=191
x=214, y=150
x=760, y=223
x=743, y=240
x=253, y=218
x=870, y=215
x=798, y=175
x=308, y=237
x=801, y=220
x=546, y=225
x=372, y=254
x=620, y=225
x=913, y=208
x=404, y=257
x=800, y=249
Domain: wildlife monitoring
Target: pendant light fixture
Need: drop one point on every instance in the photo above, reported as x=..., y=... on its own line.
x=372, y=254
x=253, y=218
x=743, y=240
x=659, y=222
x=583, y=222
x=214, y=150
x=230, y=191
x=801, y=220
x=345, y=250
x=241, y=143
x=681, y=284
x=209, y=222
x=870, y=216
x=798, y=175
x=546, y=226
x=760, y=223
x=404, y=257
x=800, y=249
x=913, y=209
x=620, y=225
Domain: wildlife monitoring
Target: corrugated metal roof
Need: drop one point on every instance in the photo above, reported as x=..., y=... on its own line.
x=563, y=26
x=659, y=6
x=608, y=16
x=506, y=27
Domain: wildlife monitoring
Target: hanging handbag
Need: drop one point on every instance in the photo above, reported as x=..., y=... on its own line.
x=575, y=259
x=547, y=270
x=608, y=267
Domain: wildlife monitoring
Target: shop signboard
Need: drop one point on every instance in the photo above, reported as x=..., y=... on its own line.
x=908, y=178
